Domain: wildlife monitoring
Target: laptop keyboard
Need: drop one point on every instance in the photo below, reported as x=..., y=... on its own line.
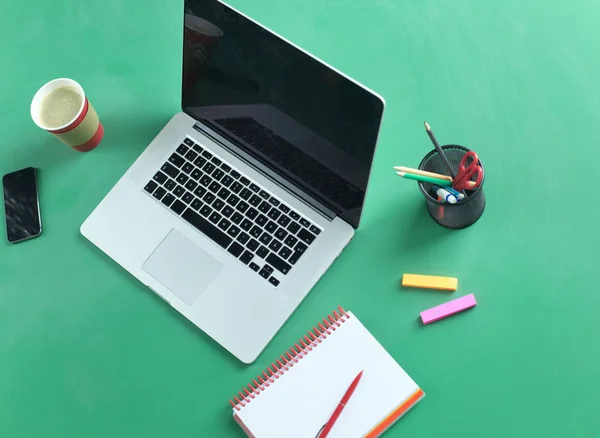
x=235, y=212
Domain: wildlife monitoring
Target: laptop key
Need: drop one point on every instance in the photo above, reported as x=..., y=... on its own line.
x=218, y=205
x=218, y=174
x=160, y=177
x=264, y=194
x=234, y=174
x=191, y=185
x=191, y=155
x=188, y=142
x=214, y=187
x=285, y=252
x=294, y=258
x=208, y=168
x=255, y=200
x=225, y=167
x=264, y=207
x=293, y=227
x=252, y=213
x=205, y=180
x=227, y=211
x=274, y=213
x=290, y=241
x=224, y=193
x=176, y=160
x=178, y=206
x=206, y=154
x=170, y=170
x=196, y=174
x=224, y=224
x=170, y=185
x=215, y=217
x=256, y=231
x=244, y=194
x=205, y=210
x=306, y=236
x=216, y=161
x=187, y=198
x=301, y=248
x=284, y=208
x=246, y=224
x=235, y=249
x=227, y=181
x=265, y=238
x=283, y=221
x=253, y=245
x=168, y=199
x=275, y=245
x=261, y=220
x=200, y=191
x=244, y=180
x=271, y=227
x=262, y=252
x=242, y=207
x=315, y=230
x=274, y=202
x=242, y=238
x=237, y=218
x=304, y=223
x=254, y=266
x=236, y=187
x=197, y=148
x=233, y=200
x=182, y=149
x=159, y=193
x=151, y=186
x=187, y=168
x=196, y=204
x=294, y=215
x=254, y=188
x=264, y=273
x=178, y=191
x=246, y=257
x=182, y=178
x=278, y=263
x=274, y=281
x=200, y=161
x=281, y=234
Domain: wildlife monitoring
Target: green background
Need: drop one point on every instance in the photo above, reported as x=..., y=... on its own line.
x=85, y=350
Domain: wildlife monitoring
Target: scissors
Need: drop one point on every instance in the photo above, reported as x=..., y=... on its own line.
x=463, y=179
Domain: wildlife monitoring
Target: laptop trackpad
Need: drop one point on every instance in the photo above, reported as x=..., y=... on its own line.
x=182, y=267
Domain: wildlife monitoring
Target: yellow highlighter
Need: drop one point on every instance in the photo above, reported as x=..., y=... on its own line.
x=429, y=282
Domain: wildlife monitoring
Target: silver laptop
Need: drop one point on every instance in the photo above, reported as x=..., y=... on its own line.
x=247, y=196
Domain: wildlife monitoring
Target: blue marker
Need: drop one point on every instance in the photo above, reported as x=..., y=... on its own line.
x=445, y=194
x=460, y=196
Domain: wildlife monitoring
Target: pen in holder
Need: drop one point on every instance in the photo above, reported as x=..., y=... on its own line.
x=465, y=212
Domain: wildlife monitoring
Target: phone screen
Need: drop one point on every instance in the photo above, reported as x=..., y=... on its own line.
x=21, y=205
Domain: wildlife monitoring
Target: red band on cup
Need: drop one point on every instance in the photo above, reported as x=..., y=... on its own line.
x=75, y=122
x=92, y=142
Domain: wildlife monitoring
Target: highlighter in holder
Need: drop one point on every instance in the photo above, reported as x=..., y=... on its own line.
x=454, y=216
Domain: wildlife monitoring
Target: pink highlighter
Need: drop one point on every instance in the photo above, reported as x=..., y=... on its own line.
x=447, y=309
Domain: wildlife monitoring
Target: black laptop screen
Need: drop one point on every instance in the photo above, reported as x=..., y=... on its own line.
x=309, y=123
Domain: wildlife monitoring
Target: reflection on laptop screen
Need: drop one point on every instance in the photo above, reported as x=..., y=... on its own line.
x=307, y=122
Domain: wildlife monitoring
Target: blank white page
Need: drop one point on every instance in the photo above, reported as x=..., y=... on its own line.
x=301, y=401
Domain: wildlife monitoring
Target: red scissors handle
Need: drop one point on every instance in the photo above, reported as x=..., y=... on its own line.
x=466, y=173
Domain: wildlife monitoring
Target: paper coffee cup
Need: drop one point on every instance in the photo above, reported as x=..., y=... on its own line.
x=62, y=108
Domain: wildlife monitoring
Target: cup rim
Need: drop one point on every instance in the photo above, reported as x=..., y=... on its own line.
x=44, y=91
x=430, y=198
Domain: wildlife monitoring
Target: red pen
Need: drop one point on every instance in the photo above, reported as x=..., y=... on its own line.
x=340, y=407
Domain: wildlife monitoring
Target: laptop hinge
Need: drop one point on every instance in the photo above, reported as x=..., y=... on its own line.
x=222, y=138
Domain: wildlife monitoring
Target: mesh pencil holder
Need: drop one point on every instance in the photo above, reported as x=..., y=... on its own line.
x=454, y=216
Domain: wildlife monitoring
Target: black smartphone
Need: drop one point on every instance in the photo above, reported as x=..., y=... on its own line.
x=21, y=205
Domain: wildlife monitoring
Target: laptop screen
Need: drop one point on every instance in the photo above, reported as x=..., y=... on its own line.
x=312, y=125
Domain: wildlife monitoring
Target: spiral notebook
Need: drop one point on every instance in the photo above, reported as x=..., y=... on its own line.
x=297, y=394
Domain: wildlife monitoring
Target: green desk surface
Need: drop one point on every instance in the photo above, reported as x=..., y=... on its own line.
x=86, y=351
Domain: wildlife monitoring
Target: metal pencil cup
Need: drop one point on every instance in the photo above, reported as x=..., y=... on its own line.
x=455, y=216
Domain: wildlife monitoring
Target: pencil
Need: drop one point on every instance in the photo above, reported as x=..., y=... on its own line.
x=423, y=173
x=439, y=150
x=427, y=179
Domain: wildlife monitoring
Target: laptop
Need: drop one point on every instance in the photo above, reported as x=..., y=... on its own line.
x=247, y=196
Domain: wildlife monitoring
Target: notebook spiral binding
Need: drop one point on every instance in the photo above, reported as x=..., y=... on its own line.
x=291, y=357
